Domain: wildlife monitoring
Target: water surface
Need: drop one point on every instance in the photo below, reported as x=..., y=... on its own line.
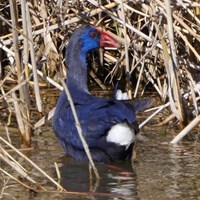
x=160, y=171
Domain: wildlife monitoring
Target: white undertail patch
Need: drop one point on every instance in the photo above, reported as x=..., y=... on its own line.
x=121, y=134
x=121, y=95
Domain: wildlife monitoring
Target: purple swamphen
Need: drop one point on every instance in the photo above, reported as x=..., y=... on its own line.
x=109, y=125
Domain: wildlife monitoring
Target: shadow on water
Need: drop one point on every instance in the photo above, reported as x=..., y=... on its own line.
x=118, y=180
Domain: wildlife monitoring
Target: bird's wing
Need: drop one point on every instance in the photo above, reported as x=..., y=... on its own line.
x=138, y=104
x=96, y=116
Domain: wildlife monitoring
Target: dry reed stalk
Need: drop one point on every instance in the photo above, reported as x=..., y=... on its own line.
x=48, y=79
x=187, y=43
x=97, y=80
x=9, y=108
x=139, y=78
x=193, y=93
x=33, y=61
x=160, y=108
x=186, y=130
x=15, y=179
x=14, y=89
x=30, y=162
x=127, y=66
x=7, y=50
x=23, y=125
x=7, y=158
x=19, y=115
x=44, y=119
x=13, y=10
x=25, y=56
x=176, y=102
x=26, y=98
x=8, y=134
x=57, y=172
x=3, y=185
x=113, y=16
x=78, y=126
x=57, y=25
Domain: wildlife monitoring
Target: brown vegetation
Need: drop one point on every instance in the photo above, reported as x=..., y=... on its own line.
x=161, y=50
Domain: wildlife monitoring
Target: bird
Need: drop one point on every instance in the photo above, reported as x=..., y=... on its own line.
x=109, y=125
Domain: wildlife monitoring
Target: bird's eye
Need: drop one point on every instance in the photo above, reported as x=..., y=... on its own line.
x=93, y=34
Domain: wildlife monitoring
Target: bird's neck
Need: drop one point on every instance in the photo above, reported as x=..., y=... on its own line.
x=76, y=69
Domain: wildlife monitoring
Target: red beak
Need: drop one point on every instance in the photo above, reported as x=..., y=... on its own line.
x=108, y=41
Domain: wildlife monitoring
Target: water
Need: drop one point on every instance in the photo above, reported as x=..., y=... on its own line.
x=160, y=171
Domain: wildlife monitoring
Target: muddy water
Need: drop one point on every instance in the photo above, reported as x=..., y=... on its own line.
x=160, y=171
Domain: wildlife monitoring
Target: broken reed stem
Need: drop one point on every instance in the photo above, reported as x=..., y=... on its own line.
x=14, y=89
x=25, y=54
x=186, y=130
x=154, y=114
x=174, y=87
x=57, y=172
x=78, y=126
x=139, y=78
x=127, y=66
x=13, y=11
x=23, y=90
x=171, y=79
x=18, y=114
x=32, y=163
x=26, y=97
x=6, y=157
x=15, y=179
x=46, y=78
x=45, y=119
x=33, y=61
x=7, y=134
x=171, y=33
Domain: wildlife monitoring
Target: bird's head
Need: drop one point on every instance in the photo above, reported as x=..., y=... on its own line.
x=89, y=38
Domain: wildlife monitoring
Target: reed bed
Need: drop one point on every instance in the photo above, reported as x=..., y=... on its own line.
x=160, y=53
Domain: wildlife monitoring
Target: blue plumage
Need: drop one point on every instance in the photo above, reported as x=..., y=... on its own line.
x=96, y=115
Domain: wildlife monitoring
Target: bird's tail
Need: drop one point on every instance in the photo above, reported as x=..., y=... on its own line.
x=139, y=104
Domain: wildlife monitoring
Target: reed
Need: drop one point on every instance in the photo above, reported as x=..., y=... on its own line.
x=22, y=111
x=161, y=42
